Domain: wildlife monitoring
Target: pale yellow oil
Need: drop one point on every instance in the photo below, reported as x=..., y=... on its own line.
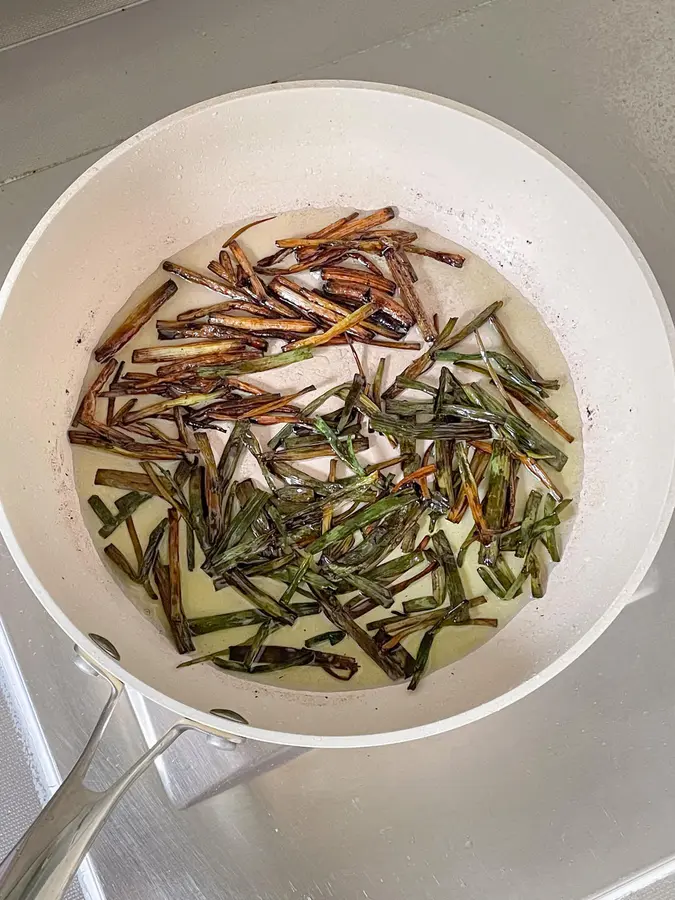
x=448, y=291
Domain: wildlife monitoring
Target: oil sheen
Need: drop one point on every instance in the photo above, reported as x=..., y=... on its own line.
x=445, y=290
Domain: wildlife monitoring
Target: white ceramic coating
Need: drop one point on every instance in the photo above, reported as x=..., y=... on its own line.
x=324, y=144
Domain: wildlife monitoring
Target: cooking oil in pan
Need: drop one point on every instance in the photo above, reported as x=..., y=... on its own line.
x=448, y=291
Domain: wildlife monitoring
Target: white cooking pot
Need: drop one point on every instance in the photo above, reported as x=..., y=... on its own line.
x=329, y=144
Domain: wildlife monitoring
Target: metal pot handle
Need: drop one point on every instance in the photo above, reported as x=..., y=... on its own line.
x=43, y=862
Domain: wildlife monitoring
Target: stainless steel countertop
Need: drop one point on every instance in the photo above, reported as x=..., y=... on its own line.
x=570, y=793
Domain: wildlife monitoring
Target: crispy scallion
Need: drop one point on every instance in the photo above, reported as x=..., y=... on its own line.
x=336, y=547
x=133, y=323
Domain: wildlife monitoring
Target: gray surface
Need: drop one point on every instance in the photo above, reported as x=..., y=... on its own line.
x=662, y=890
x=28, y=773
x=17, y=779
x=26, y=20
x=570, y=792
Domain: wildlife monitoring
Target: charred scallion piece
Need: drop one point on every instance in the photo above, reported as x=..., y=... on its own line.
x=450, y=259
x=529, y=518
x=330, y=637
x=265, y=326
x=401, y=275
x=166, y=353
x=425, y=361
x=420, y=604
x=346, y=324
x=220, y=287
x=336, y=613
x=155, y=409
x=373, y=513
x=453, y=581
x=261, y=598
x=243, y=618
x=258, y=365
x=177, y=619
x=471, y=326
x=152, y=550
x=133, y=323
x=492, y=582
x=549, y=538
x=344, y=450
x=422, y=658
x=525, y=363
x=274, y=658
x=470, y=489
x=535, y=571
x=495, y=505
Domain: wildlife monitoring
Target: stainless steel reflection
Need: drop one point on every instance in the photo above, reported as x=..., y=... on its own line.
x=45, y=859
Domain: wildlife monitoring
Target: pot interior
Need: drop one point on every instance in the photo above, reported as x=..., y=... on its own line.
x=342, y=145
